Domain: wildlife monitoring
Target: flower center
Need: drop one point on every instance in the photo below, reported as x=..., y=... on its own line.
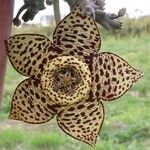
x=66, y=81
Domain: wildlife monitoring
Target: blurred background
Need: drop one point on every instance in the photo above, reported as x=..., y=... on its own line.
x=127, y=119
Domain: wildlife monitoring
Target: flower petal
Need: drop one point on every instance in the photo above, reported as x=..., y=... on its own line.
x=29, y=104
x=28, y=52
x=82, y=120
x=112, y=76
x=77, y=34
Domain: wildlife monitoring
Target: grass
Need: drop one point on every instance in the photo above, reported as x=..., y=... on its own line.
x=44, y=140
x=9, y=138
x=12, y=140
x=127, y=120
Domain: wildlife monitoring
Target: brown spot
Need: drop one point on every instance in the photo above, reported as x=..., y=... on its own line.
x=114, y=79
x=104, y=65
x=40, y=39
x=104, y=93
x=23, y=103
x=38, y=106
x=68, y=46
x=30, y=42
x=78, y=121
x=96, y=78
x=82, y=114
x=86, y=121
x=23, y=52
x=114, y=72
x=39, y=57
x=101, y=72
x=28, y=62
x=81, y=41
x=100, y=61
x=19, y=46
x=90, y=106
x=97, y=94
x=71, y=109
x=82, y=35
x=110, y=96
x=38, y=114
x=34, y=62
x=80, y=106
x=75, y=31
x=98, y=86
x=43, y=99
x=44, y=61
x=71, y=53
x=107, y=74
x=37, y=95
x=47, y=115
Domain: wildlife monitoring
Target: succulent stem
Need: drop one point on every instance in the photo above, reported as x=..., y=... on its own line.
x=56, y=11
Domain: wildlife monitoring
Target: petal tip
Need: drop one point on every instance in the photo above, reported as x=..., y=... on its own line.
x=12, y=116
x=141, y=74
x=92, y=143
x=138, y=74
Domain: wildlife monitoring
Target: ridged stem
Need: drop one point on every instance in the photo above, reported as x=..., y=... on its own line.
x=56, y=11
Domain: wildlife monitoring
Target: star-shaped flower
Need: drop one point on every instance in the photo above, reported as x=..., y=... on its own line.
x=68, y=78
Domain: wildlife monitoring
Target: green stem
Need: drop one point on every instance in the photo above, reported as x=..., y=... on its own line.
x=56, y=11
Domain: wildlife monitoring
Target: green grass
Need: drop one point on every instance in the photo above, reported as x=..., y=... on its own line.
x=127, y=120
x=9, y=138
x=44, y=140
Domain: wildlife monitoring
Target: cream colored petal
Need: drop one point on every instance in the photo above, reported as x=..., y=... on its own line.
x=29, y=104
x=29, y=52
x=78, y=35
x=82, y=120
x=112, y=76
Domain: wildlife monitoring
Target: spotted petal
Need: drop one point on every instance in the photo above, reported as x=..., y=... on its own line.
x=29, y=104
x=29, y=52
x=112, y=76
x=77, y=34
x=82, y=120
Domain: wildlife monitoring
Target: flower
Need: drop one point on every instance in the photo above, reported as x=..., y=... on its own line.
x=68, y=78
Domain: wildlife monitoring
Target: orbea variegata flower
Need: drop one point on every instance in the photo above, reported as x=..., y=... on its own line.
x=68, y=78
